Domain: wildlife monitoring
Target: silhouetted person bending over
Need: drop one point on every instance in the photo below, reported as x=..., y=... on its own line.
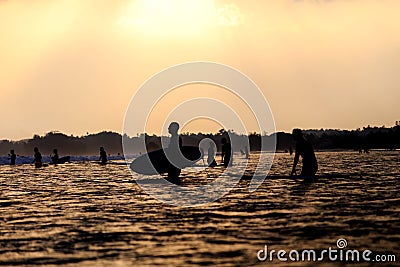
x=38, y=158
x=55, y=158
x=13, y=157
x=306, y=151
x=103, y=156
x=226, y=155
x=174, y=146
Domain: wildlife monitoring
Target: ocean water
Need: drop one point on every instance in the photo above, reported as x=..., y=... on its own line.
x=84, y=214
x=5, y=160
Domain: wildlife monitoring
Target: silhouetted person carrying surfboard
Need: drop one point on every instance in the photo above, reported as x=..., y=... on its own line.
x=38, y=158
x=13, y=157
x=103, y=156
x=174, y=146
x=56, y=159
x=169, y=160
x=306, y=151
x=226, y=154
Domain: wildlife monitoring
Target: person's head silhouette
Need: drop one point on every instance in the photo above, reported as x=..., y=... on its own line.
x=36, y=149
x=12, y=151
x=297, y=134
x=55, y=151
x=173, y=128
x=101, y=148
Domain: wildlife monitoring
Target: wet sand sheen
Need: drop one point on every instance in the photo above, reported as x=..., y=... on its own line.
x=92, y=215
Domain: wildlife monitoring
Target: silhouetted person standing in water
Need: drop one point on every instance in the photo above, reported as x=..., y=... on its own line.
x=211, y=155
x=174, y=146
x=13, y=157
x=55, y=158
x=103, y=156
x=226, y=153
x=38, y=158
x=306, y=151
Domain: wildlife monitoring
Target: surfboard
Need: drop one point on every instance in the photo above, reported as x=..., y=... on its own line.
x=41, y=166
x=156, y=162
x=62, y=160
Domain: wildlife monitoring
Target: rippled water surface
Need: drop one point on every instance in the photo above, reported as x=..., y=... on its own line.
x=90, y=215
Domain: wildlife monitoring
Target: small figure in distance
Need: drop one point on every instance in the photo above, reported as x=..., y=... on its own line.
x=306, y=151
x=37, y=158
x=103, y=156
x=211, y=155
x=55, y=158
x=12, y=156
x=226, y=154
x=175, y=144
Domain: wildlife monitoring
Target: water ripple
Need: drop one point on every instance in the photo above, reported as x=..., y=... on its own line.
x=91, y=215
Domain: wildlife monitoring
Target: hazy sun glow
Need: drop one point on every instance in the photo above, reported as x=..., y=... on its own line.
x=73, y=66
x=175, y=100
x=170, y=17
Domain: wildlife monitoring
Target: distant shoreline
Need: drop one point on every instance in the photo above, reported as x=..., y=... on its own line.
x=27, y=160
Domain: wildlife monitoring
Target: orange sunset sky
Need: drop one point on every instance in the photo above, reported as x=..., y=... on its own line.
x=73, y=66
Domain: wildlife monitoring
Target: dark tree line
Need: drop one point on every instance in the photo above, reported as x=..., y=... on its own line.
x=66, y=145
x=369, y=137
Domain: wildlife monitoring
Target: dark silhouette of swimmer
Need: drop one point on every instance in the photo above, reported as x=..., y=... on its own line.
x=103, y=156
x=55, y=158
x=211, y=156
x=13, y=157
x=37, y=158
x=306, y=151
x=174, y=146
x=226, y=154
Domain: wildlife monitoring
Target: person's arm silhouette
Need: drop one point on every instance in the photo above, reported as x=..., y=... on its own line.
x=295, y=161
